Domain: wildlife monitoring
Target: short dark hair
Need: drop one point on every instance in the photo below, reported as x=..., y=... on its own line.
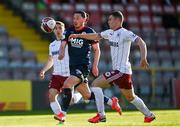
x=60, y=23
x=82, y=13
x=117, y=14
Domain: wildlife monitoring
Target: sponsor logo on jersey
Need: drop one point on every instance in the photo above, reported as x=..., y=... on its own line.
x=55, y=53
x=78, y=43
x=114, y=44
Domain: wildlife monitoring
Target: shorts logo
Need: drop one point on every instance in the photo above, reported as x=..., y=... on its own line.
x=108, y=74
x=78, y=43
x=55, y=53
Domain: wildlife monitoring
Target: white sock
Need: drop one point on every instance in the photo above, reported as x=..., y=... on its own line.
x=109, y=102
x=99, y=97
x=55, y=107
x=139, y=104
x=76, y=98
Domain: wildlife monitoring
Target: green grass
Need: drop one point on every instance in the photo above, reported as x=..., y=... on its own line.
x=129, y=118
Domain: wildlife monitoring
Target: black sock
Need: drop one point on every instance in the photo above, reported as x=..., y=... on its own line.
x=106, y=99
x=92, y=96
x=66, y=98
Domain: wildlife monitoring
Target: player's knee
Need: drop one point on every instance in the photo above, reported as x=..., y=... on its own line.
x=94, y=83
x=86, y=96
x=70, y=82
x=129, y=97
x=51, y=97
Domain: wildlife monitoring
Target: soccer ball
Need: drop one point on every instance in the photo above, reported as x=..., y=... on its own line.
x=48, y=24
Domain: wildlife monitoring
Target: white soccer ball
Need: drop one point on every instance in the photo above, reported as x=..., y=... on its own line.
x=48, y=24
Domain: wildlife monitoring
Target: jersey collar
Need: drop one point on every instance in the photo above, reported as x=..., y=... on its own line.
x=82, y=29
x=118, y=28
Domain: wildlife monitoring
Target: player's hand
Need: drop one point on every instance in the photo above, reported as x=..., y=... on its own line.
x=144, y=63
x=61, y=56
x=41, y=74
x=95, y=71
x=73, y=36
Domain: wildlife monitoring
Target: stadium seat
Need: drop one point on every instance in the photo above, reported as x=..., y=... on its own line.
x=132, y=9
x=177, y=63
x=156, y=9
x=164, y=55
x=31, y=74
x=145, y=21
x=16, y=71
x=167, y=79
x=169, y=9
x=159, y=78
x=152, y=55
x=144, y=9
x=93, y=7
x=55, y=7
x=133, y=22
x=175, y=54
x=80, y=6
x=3, y=52
x=105, y=7
x=157, y=21
x=119, y=7
x=29, y=7
x=178, y=9
x=166, y=63
x=154, y=63
x=4, y=71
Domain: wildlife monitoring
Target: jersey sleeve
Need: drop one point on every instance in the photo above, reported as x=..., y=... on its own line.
x=131, y=36
x=92, y=31
x=105, y=34
x=66, y=35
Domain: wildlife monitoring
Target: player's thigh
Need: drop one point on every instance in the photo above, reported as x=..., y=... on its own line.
x=71, y=81
x=52, y=93
x=84, y=90
x=101, y=82
x=128, y=93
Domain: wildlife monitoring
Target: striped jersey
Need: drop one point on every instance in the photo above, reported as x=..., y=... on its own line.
x=120, y=43
x=60, y=67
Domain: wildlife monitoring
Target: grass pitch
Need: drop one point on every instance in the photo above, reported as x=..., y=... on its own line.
x=129, y=118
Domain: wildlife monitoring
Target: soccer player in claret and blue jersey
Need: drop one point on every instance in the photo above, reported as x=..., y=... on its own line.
x=79, y=62
x=120, y=41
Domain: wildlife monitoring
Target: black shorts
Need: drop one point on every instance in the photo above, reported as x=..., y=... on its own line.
x=80, y=71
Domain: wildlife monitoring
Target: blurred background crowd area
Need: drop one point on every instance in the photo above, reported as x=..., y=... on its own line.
x=24, y=47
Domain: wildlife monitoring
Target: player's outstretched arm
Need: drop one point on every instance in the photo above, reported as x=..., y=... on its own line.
x=143, y=51
x=97, y=53
x=62, y=50
x=47, y=66
x=91, y=36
